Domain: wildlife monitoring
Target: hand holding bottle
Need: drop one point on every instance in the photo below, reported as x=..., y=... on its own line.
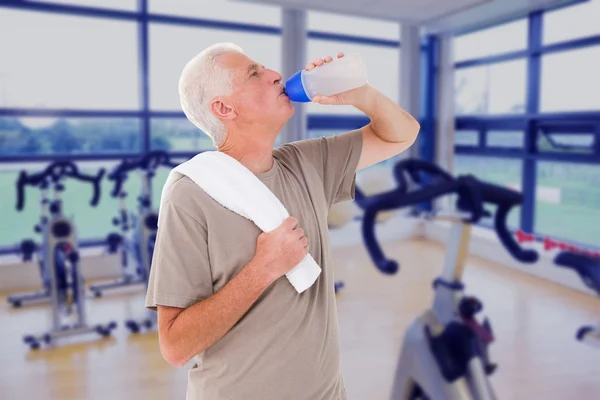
x=344, y=98
x=333, y=82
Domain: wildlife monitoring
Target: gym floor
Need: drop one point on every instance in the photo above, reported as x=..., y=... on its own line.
x=534, y=322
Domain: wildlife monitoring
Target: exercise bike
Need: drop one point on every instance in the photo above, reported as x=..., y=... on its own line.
x=445, y=352
x=60, y=255
x=588, y=269
x=138, y=231
x=27, y=249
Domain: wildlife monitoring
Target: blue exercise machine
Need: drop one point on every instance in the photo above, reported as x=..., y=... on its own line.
x=588, y=269
x=445, y=350
x=59, y=254
x=137, y=231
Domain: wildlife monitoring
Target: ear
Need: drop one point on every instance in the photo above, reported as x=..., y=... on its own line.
x=222, y=109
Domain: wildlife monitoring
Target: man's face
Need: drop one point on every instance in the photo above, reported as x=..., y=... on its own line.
x=257, y=95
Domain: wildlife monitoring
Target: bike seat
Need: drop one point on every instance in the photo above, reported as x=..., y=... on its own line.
x=587, y=267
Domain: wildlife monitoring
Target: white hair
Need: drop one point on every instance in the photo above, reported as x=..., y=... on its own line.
x=201, y=80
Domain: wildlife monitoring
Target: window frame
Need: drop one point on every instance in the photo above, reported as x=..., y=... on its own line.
x=532, y=121
x=144, y=18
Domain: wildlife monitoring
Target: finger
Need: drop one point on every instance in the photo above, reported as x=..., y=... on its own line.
x=293, y=222
x=318, y=61
x=323, y=99
x=328, y=59
x=340, y=54
x=310, y=66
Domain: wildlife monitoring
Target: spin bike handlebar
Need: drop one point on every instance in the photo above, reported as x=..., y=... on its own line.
x=414, y=168
x=505, y=199
x=472, y=195
x=55, y=172
x=149, y=162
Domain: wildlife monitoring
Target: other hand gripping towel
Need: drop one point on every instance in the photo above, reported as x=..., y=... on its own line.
x=236, y=188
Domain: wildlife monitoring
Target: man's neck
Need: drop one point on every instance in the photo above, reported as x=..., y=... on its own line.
x=254, y=155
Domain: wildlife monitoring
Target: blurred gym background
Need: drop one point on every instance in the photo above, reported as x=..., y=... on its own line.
x=505, y=90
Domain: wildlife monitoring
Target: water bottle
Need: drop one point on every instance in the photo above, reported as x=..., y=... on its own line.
x=337, y=76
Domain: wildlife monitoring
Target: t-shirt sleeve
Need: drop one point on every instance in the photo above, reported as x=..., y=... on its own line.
x=180, y=274
x=335, y=159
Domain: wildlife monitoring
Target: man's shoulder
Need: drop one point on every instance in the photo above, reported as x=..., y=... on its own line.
x=186, y=195
x=299, y=151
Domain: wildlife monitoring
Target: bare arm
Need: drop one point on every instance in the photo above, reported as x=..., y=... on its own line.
x=391, y=130
x=183, y=333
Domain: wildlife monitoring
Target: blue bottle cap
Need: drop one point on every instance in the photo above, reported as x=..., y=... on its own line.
x=295, y=90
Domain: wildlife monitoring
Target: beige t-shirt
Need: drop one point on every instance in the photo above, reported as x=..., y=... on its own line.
x=286, y=347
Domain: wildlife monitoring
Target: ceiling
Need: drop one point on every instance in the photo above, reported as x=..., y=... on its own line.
x=435, y=16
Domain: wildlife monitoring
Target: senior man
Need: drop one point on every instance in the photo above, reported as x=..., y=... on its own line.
x=217, y=281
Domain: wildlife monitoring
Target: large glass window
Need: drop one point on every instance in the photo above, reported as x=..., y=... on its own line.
x=492, y=41
x=569, y=80
x=352, y=25
x=172, y=47
x=59, y=136
x=127, y=5
x=568, y=201
x=572, y=22
x=223, y=10
x=67, y=61
x=498, y=171
x=491, y=89
x=179, y=134
x=466, y=138
x=91, y=222
x=383, y=66
x=505, y=139
x=563, y=142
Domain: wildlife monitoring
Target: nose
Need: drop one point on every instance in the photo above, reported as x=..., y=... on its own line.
x=276, y=77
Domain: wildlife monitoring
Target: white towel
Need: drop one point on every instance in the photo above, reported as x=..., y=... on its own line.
x=235, y=187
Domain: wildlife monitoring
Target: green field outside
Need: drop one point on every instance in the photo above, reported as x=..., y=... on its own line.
x=573, y=217
x=91, y=222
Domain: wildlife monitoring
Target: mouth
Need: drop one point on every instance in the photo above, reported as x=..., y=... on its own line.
x=283, y=93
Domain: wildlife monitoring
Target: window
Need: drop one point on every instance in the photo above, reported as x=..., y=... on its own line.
x=466, y=138
x=505, y=139
x=568, y=201
x=581, y=143
x=172, y=47
x=178, y=135
x=572, y=22
x=491, y=89
x=223, y=10
x=352, y=25
x=497, y=40
x=21, y=223
x=44, y=136
x=383, y=66
x=569, y=80
x=498, y=171
x=67, y=62
x=91, y=222
x=127, y=5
